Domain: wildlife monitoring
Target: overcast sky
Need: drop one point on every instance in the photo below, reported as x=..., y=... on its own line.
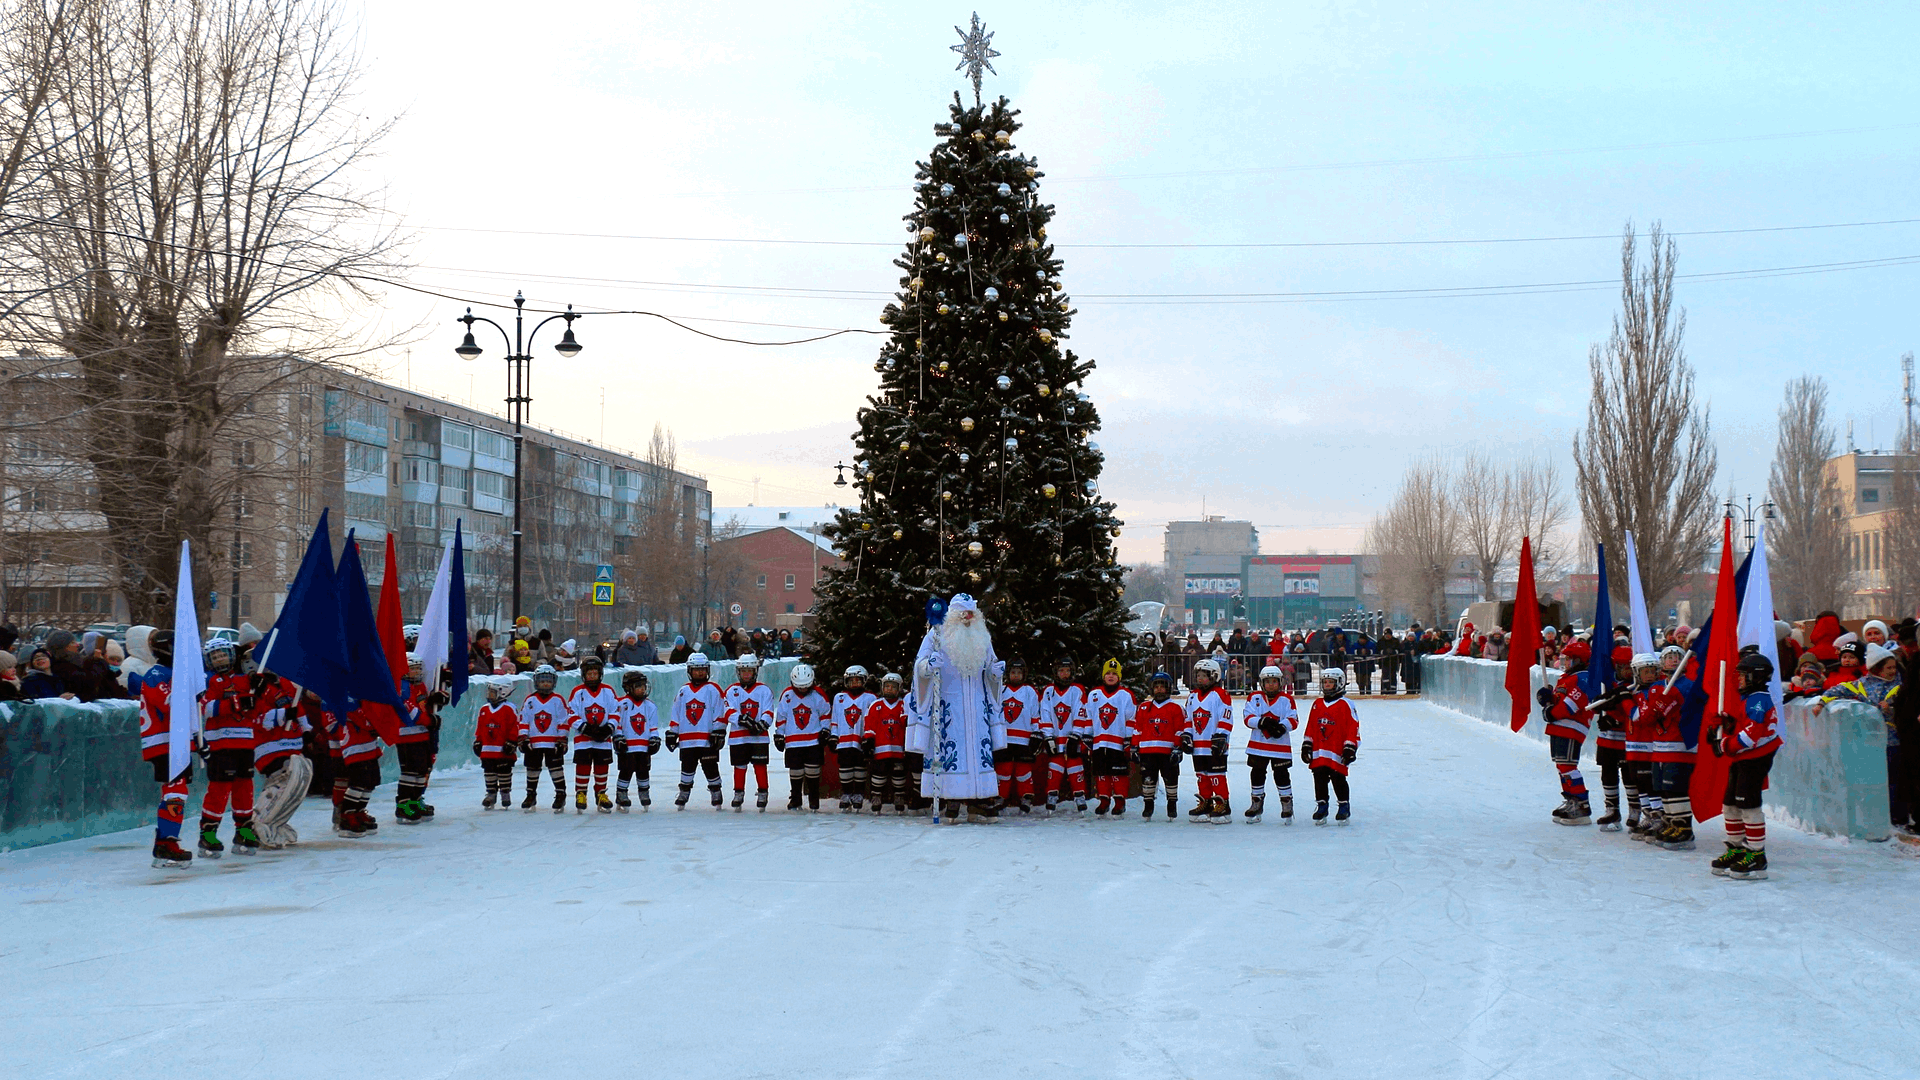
x=1207, y=124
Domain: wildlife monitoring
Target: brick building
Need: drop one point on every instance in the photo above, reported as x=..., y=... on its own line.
x=770, y=572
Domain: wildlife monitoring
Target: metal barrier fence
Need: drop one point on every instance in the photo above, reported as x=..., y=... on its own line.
x=1393, y=674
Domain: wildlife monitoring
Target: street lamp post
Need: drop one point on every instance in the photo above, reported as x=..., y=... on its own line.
x=1747, y=514
x=519, y=357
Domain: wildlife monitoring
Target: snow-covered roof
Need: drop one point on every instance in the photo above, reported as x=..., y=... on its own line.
x=774, y=517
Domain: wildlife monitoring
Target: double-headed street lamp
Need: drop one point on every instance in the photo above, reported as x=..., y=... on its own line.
x=518, y=357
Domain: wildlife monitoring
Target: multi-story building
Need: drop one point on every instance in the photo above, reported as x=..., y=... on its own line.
x=387, y=460
x=1866, y=482
x=1206, y=567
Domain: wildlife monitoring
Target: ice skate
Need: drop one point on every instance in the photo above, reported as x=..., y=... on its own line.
x=210, y=845
x=1752, y=866
x=739, y=800
x=1255, y=807
x=527, y=803
x=717, y=801
x=425, y=808
x=1026, y=804
x=602, y=803
x=622, y=803
x=646, y=800
x=1106, y=804
x=1172, y=807
x=760, y=800
x=169, y=855
x=1677, y=836
x=1119, y=806
x=1344, y=814
x=245, y=840
x=900, y=806
x=680, y=800
x=487, y=803
x=793, y=802
x=1573, y=812
x=1609, y=821
x=1320, y=812
x=559, y=801
x=1219, y=812
x=858, y=801
x=1199, y=812
x=580, y=800
x=1633, y=819
x=1053, y=803
x=1647, y=829
x=1079, y=804
x=407, y=812
x=1146, y=808
x=1286, y=809
x=1733, y=854
x=354, y=824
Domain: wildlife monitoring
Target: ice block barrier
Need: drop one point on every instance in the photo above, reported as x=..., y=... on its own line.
x=1830, y=775
x=72, y=769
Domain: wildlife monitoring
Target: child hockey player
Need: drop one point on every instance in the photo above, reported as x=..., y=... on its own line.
x=543, y=738
x=1331, y=744
x=749, y=710
x=696, y=726
x=886, y=744
x=280, y=726
x=226, y=733
x=1209, y=719
x=156, y=727
x=1020, y=707
x=1160, y=728
x=1270, y=717
x=1565, y=707
x=1612, y=713
x=1674, y=750
x=1751, y=739
x=636, y=738
x=1063, y=715
x=591, y=707
x=496, y=733
x=417, y=745
x=803, y=714
x=359, y=763
x=850, y=707
x=1110, y=710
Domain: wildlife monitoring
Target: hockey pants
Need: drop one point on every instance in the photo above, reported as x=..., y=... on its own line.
x=1282, y=776
x=1158, y=768
x=1325, y=778
x=1746, y=823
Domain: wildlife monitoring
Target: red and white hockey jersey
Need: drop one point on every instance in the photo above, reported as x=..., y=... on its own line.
x=1568, y=717
x=1020, y=705
x=1158, y=725
x=697, y=710
x=1654, y=732
x=592, y=711
x=544, y=719
x=636, y=722
x=1110, y=717
x=279, y=728
x=1209, y=713
x=886, y=721
x=226, y=708
x=1063, y=714
x=802, y=717
x=850, y=718
x=1332, y=726
x=1257, y=709
x=497, y=730
x=749, y=703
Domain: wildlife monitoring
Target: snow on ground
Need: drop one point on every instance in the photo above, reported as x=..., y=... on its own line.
x=1452, y=930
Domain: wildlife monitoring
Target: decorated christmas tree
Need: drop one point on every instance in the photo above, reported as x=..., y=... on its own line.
x=974, y=467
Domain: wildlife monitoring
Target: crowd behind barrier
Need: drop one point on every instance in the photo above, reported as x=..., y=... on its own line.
x=1240, y=674
x=1829, y=776
x=71, y=769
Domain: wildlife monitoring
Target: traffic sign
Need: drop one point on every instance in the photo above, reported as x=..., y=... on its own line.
x=603, y=594
x=735, y=609
x=604, y=572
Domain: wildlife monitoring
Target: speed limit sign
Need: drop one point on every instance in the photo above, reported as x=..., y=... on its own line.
x=735, y=609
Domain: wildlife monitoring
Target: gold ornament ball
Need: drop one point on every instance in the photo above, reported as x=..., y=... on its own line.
x=1044, y=389
x=1031, y=171
x=973, y=576
x=1056, y=558
x=946, y=496
x=966, y=423
x=898, y=533
x=939, y=256
x=1032, y=244
x=866, y=526
x=1046, y=336
x=903, y=446
x=1064, y=306
x=1043, y=232
x=1002, y=138
x=980, y=136
x=1003, y=316
x=926, y=235
x=1116, y=530
x=918, y=284
x=1049, y=490
x=943, y=309
x=974, y=549
x=943, y=367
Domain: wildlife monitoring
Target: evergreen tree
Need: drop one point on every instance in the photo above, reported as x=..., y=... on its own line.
x=974, y=468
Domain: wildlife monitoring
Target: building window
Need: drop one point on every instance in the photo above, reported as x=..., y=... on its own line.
x=242, y=504
x=39, y=600
x=1876, y=551
x=1871, y=495
x=243, y=554
x=458, y=436
x=93, y=602
x=789, y=582
x=246, y=605
x=760, y=582
x=491, y=484
x=420, y=470
x=789, y=609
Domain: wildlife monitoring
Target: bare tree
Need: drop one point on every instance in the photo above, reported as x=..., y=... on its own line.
x=1901, y=542
x=1539, y=511
x=1647, y=460
x=1146, y=582
x=1418, y=538
x=1808, y=542
x=198, y=214
x=1485, y=501
x=662, y=556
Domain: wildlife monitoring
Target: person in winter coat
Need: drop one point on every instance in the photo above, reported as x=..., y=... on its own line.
x=39, y=681
x=680, y=651
x=1826, y=631
x=1852, y=660
x=480, y=653
x=139, y=658
x=630, y=654
x=97, y=676
x=9, y=677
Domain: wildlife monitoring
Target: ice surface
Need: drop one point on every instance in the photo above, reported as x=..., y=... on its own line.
x=1452, y=930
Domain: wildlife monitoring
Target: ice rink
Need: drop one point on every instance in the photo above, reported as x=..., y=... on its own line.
x=1451, y=930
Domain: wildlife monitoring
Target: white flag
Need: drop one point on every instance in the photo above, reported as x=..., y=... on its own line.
x=1637, y=603
x=189, y=671
x=435, y=634
x=1756, y=610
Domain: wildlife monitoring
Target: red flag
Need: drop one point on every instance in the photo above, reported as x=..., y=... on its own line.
x=393, y=646
x=1523, y=644
x=1721, y=681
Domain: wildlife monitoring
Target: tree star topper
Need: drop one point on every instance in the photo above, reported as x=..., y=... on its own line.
x=976, y=52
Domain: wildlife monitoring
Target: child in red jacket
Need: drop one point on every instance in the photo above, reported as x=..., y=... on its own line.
x=1160, y=726
x=496, y=735
x=1331, y=744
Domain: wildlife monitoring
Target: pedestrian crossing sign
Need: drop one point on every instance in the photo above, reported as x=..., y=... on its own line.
x=603, y=594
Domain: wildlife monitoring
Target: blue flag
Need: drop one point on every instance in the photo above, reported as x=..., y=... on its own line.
x=1598, y=678
x=368, y=680
x=457, y=642
x=304, y=645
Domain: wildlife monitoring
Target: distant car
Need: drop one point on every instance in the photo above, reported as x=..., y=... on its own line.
x=223, y=633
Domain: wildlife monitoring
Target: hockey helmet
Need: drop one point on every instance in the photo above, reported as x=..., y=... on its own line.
x=499, y=691
x=746, y=662
x=1270, y=672
x=1208, y=668
x=1065, y=664
x=892, y=678
x=1755, y=666
x=222, y=657
x=1159, y=679
x=545, y=678
x=699, y=660
x=1334, y=675
x=592, y=661
x=801, y=677
x=160, y=644
x=1646, y=660
x=1671, y=656
x=1017, y=664
x=634, y=678
x=416, y=670
x=854, y=671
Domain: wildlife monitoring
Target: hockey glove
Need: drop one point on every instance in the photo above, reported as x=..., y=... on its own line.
x=1270, y=726
x=673, y=741
x=1306, y=751
x=619, y=746
x=1186, y=741
x=867, y=743
x=1347, y=754
x=1220, y=745
x=779, y=742
x=525, y=747
x=653, y=745
x=1075, y=748
x=1544, y=696
x=476, y=748
x=1051, y=749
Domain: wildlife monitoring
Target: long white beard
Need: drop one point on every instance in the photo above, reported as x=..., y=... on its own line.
x=966, y=646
